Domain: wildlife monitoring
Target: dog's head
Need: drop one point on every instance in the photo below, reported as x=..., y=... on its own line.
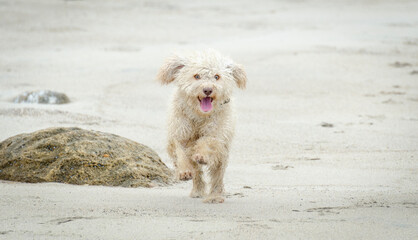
x=207, y=78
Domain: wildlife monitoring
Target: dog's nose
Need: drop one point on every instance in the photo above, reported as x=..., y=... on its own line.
x=207, y=91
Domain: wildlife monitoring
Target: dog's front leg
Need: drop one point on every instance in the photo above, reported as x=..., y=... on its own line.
x=199, y=184
x=212, y=152
x=187, y=169
x=178, y=151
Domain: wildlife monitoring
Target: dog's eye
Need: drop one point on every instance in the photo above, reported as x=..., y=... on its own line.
x=197, y=76
x=217, y=77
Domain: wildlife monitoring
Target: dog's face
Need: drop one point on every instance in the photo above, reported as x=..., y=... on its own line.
x=206, y=78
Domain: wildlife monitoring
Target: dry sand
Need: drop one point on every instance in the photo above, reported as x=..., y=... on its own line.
x=326, y=143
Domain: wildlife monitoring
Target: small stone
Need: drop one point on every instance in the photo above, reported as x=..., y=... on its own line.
x=327, y=125
x=281, y=167
x=42, y=97
x=400, y=64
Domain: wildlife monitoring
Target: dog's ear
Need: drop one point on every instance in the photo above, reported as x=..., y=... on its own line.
x=168, y=72
x=239, y=75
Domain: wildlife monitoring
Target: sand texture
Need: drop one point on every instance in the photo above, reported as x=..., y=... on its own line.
x=77, y=156
x=326, y=141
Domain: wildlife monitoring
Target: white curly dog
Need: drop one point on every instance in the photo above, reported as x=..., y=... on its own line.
x=200, y=126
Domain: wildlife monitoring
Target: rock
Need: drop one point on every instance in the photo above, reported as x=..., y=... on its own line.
x=327, y=125
x=43, y=97
x=77, y=156
x=400, y=64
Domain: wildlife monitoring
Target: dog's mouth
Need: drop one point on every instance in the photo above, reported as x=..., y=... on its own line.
x=206, y=104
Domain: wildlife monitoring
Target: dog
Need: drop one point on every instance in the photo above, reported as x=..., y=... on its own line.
x=201, y=125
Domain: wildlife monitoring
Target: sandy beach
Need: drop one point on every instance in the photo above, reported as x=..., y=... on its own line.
x=326, y=143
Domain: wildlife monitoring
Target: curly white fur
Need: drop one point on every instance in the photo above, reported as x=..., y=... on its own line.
x=200, y=135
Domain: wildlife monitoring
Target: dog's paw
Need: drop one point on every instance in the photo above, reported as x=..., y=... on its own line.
x=185, y=175
x=200, y=159
x=197, y=194
x=214, y=199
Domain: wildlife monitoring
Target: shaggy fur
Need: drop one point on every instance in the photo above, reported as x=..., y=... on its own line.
x=200, y=126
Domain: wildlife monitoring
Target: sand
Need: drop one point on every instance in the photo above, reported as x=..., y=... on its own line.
x=326, y=143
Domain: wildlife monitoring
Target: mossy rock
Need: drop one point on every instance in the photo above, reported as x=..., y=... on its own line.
x=77, y=156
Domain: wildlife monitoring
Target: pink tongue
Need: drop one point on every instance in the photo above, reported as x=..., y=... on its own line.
x=206, y=104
